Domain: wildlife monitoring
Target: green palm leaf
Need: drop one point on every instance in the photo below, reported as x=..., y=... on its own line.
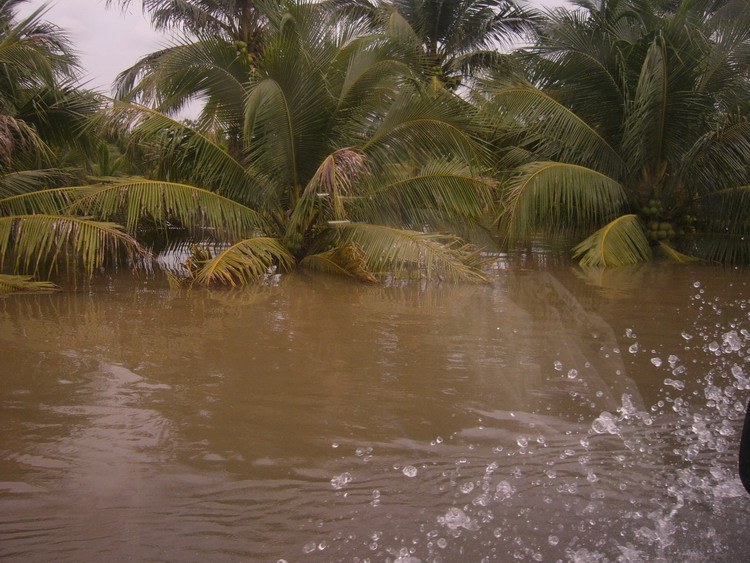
x=187, y=152
x=665, y=250
x=244, y=262
x=11, y=284
x=190, y=207
x=555, y=197
x=404, y=252
x=618, y=243
x=553, y=130
x=51, y=202
x=43, y=240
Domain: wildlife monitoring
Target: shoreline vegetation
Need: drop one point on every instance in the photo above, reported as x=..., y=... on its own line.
x=375, y=139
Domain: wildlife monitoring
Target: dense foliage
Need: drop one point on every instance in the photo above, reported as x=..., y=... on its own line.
x=362, y=138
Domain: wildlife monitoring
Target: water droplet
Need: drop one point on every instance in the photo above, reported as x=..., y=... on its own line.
x=522, y=442
x=553, y=540
x=558, y=366
x=409, y=471
x=467, y=487
x=606, y=423
x=340, y=481
x=633, y=348
x=696, y=284
x=572, y=374
x=309, y=547
x=656, y=361
x=504, y=491
x=456, y=518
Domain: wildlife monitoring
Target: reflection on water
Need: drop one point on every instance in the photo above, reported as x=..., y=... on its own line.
x=557, y=415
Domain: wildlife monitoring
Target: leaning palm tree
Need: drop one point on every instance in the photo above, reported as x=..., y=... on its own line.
x=343, y=163
x=636, y=126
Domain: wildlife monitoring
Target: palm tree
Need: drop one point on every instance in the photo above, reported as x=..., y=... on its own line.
x=343, y=163
x=40, y=113
x=456, y=38
x=635, y=124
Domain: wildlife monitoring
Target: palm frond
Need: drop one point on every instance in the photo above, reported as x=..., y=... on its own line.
x=51, y=202
x=244, y=262
x=391, y=251
x=667, y=251
x=190, y=207
x=347, y=260
x=11, y=284
x=441, y=187
x=554, y=131
x=40, y=240
x=188, y=153
x=24, y=181
x=619, y=243
x=555, y=197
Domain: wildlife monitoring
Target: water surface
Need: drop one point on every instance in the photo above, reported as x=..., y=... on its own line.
x=555, y=415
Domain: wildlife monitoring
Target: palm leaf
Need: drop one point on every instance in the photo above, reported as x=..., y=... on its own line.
x=41, y=240
x=404, y=252
x=244, y=262
x=23, y=181
x=347, y=260
x=666, y=251
x=187, y=152
x=553, y=130
x=555, y=197
x=11, y=284
x=189, y=206
x=51, y=202
x=618, y=243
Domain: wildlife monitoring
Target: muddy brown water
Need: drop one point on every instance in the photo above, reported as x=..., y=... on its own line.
x=554, y=415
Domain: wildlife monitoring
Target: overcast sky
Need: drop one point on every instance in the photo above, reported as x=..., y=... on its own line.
x=109, y=40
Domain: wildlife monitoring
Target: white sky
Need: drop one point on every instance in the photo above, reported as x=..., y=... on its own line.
x=109, y=41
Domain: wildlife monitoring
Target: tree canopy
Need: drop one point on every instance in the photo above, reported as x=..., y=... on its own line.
x=375, y=139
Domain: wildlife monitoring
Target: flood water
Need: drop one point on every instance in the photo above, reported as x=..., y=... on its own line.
x=555, y=415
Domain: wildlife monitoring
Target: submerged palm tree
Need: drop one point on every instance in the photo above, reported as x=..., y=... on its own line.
x=635, y=125
x=342, y=163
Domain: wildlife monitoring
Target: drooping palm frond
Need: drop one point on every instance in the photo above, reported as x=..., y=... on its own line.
x=347, y=260
x=440, y=188
x=53, y=201
x=167, y=202
x=391, y=251
x=619, y=243
x=554, y=131
x=667, y=251
x=244, y=262
x=41, y=240
x=187, y=153
x=727, y=248
x=11, y=284
x=726, y=210
x=420, y=124
x=555, y=197
x=719, y=157
x=19, y=182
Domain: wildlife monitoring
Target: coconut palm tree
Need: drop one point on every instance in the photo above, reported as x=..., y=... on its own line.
x=635, y=124
x=456, y=38
x=343, y=163
x=40, y=112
